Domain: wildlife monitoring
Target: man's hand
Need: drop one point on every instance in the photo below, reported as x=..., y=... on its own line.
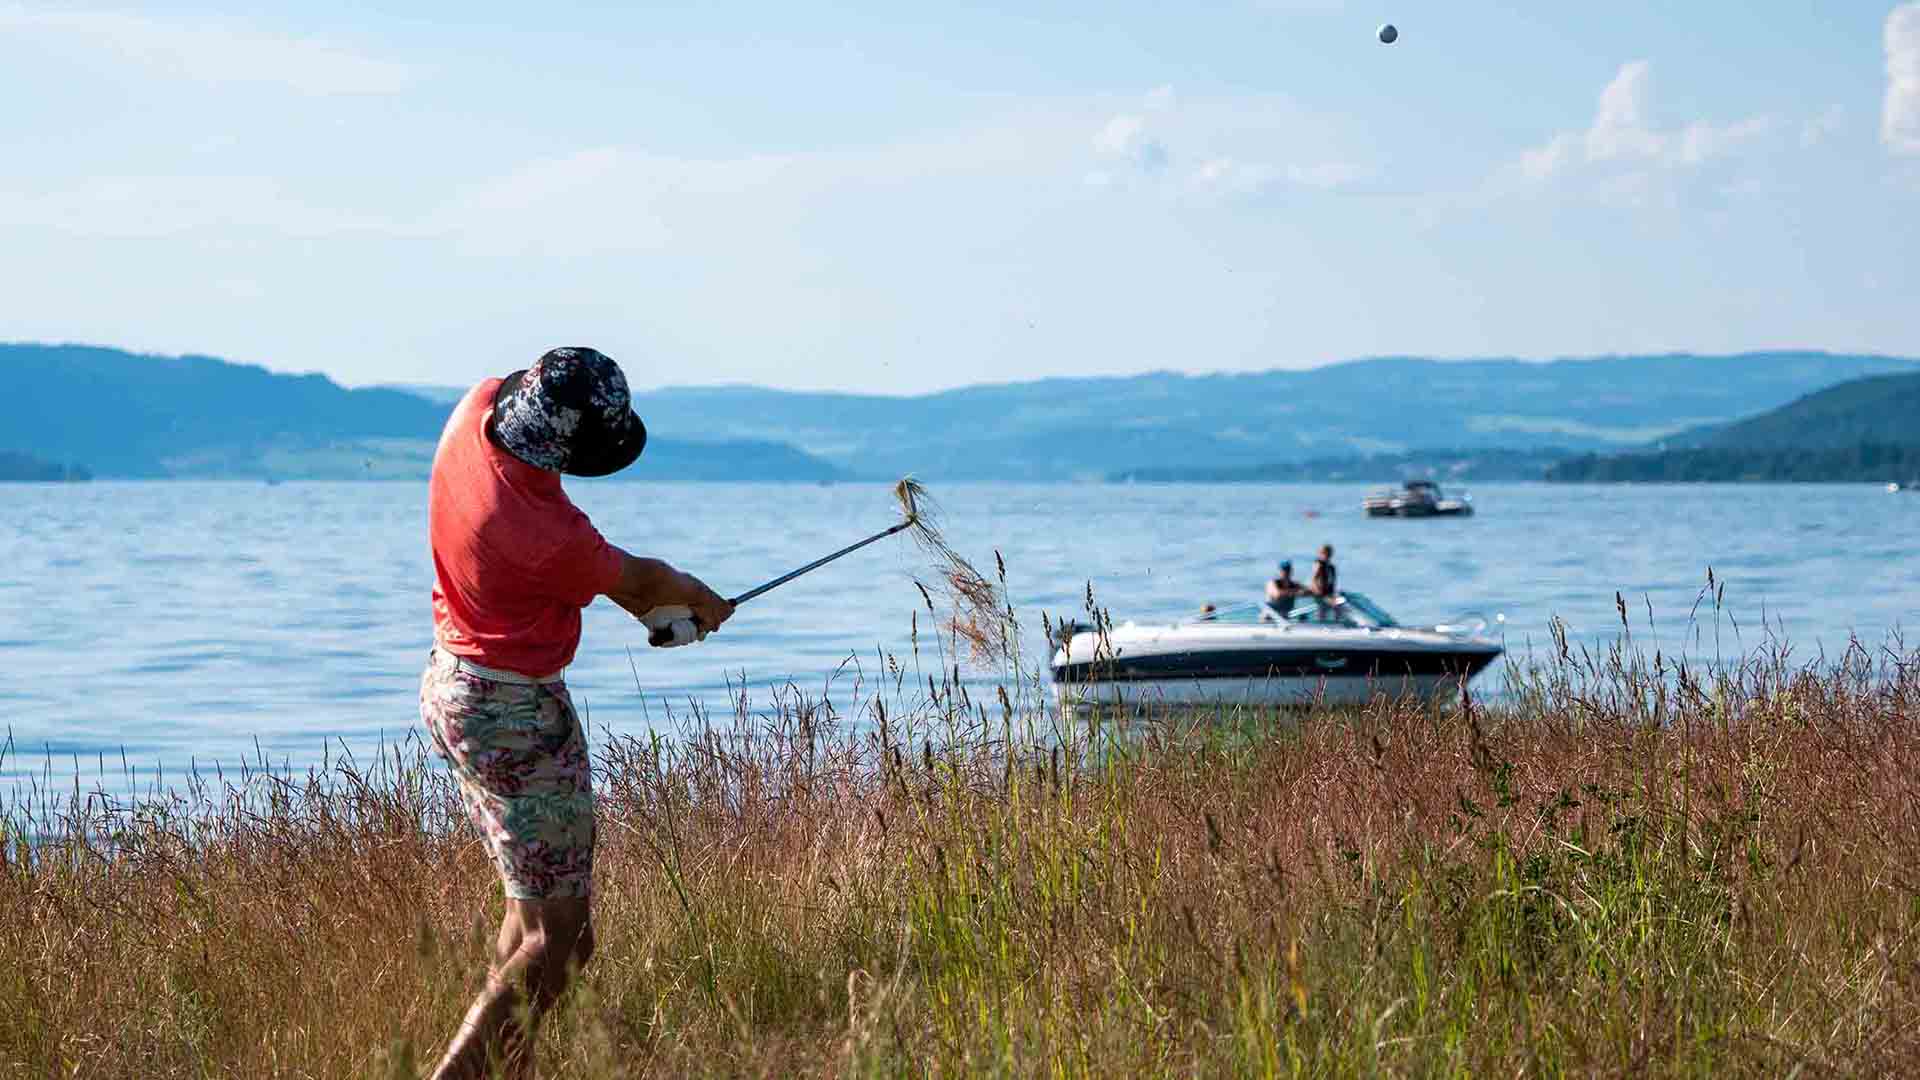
x=647, y=584
x=710, y=609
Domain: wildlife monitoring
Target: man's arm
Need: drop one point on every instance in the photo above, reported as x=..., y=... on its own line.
x=646, y=584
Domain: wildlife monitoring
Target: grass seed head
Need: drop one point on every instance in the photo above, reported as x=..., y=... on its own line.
x=909, y=492
x=978, y=616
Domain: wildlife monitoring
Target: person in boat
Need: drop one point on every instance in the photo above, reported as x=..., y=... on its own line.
x=1326, y=579
x=1283, y=590
x=514, y=563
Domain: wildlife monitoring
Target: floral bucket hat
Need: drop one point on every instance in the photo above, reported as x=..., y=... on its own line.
x=569, y=412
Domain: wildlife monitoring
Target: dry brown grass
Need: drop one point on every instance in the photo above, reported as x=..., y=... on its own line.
x=1612, y=874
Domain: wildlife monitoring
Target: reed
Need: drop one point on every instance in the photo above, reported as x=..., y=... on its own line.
x=1605, y=873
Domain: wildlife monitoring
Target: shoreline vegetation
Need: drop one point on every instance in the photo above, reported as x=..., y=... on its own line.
x=1447, y=466
x=1863, y=463
x=17, y=468
x=1622, y=867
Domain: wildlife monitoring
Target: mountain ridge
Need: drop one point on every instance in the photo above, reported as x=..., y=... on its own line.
x=140, y=412
x=138, y=416
x=1865, y=429
x=1088, y=427
x=1875, y=410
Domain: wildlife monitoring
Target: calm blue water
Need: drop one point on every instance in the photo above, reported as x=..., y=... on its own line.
x=211, y=622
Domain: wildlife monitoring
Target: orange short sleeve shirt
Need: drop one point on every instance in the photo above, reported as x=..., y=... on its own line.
x=514, y=560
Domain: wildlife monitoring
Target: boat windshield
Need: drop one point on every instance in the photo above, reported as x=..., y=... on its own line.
x=1349, y=609
x=1367, y=610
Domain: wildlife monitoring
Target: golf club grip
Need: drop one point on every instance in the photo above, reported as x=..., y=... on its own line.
x=657, y=638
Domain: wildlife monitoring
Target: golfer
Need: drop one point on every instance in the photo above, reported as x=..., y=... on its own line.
x=514, y=562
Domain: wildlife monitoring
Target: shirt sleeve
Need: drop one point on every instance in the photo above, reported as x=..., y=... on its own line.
x=585, y=565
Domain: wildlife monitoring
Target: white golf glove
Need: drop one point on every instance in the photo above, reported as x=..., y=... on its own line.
x=672, y=626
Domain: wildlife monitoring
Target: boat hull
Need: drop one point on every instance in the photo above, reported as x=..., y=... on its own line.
x=1324, y=673
x=1420, y=510
x=1270, y=692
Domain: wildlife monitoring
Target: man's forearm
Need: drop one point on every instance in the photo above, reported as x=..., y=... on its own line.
x=646, y=584
x=636, y=608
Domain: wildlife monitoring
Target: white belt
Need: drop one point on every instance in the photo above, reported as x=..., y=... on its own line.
x=495, y=674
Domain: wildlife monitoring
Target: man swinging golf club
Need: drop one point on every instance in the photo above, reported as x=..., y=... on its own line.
x=514, y=562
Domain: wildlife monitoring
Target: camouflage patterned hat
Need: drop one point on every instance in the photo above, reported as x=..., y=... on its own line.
x=569, y=412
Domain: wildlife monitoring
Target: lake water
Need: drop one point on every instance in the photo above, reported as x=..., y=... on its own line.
x=179, y=623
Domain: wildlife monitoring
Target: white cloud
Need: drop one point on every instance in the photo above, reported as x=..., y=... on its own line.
x=160, y=206
x=1244, y=147
x=1823, y=126
x=1620, y=125
x=616, y=198
x=1328, y=175
x=1234, y=176
x=212, y=53
x=1229, y=175
x=1126, y=137
x=1623, y=153
x=1900, y=118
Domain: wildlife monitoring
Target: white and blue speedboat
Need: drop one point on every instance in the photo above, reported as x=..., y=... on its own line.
x=1346, y=651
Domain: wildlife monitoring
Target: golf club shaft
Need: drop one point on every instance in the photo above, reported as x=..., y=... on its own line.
x=816, y=564
x=659, y=637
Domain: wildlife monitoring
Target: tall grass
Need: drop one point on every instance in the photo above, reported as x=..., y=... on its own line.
x=1613, y=870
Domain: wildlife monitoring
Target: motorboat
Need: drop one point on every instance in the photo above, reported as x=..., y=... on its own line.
x=1416, y=498
x=1346, y=650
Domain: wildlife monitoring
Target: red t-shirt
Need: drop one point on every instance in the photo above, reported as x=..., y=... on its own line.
x=514, y=560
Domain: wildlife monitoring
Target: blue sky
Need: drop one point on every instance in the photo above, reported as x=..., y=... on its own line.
x=897, y=198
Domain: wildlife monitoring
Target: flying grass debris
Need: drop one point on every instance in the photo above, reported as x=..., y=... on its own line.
x=977, y=613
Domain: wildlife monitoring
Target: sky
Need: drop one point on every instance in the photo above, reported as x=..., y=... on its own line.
x=901, y=198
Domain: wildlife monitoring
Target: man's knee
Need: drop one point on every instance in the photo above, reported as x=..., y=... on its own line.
x=556, y=931
x=570, y=935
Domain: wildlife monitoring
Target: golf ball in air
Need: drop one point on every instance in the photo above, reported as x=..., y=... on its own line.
x=1388, y=35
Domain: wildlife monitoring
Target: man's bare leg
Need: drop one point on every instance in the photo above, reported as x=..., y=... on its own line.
x=541, y=942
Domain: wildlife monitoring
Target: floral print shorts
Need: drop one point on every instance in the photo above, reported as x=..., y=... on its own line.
x=524, y=774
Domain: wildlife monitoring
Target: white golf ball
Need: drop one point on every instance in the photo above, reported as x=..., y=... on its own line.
x=1388, y=35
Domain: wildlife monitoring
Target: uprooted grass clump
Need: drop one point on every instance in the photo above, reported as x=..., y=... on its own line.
x=977, y=613
x=1554, y=886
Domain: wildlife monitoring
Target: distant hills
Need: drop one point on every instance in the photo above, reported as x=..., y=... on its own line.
x=1861, y=430
x=1089, y=428
x=1883, y=409
x=128, y=415
x=1453, y=465
x=1862, y=462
